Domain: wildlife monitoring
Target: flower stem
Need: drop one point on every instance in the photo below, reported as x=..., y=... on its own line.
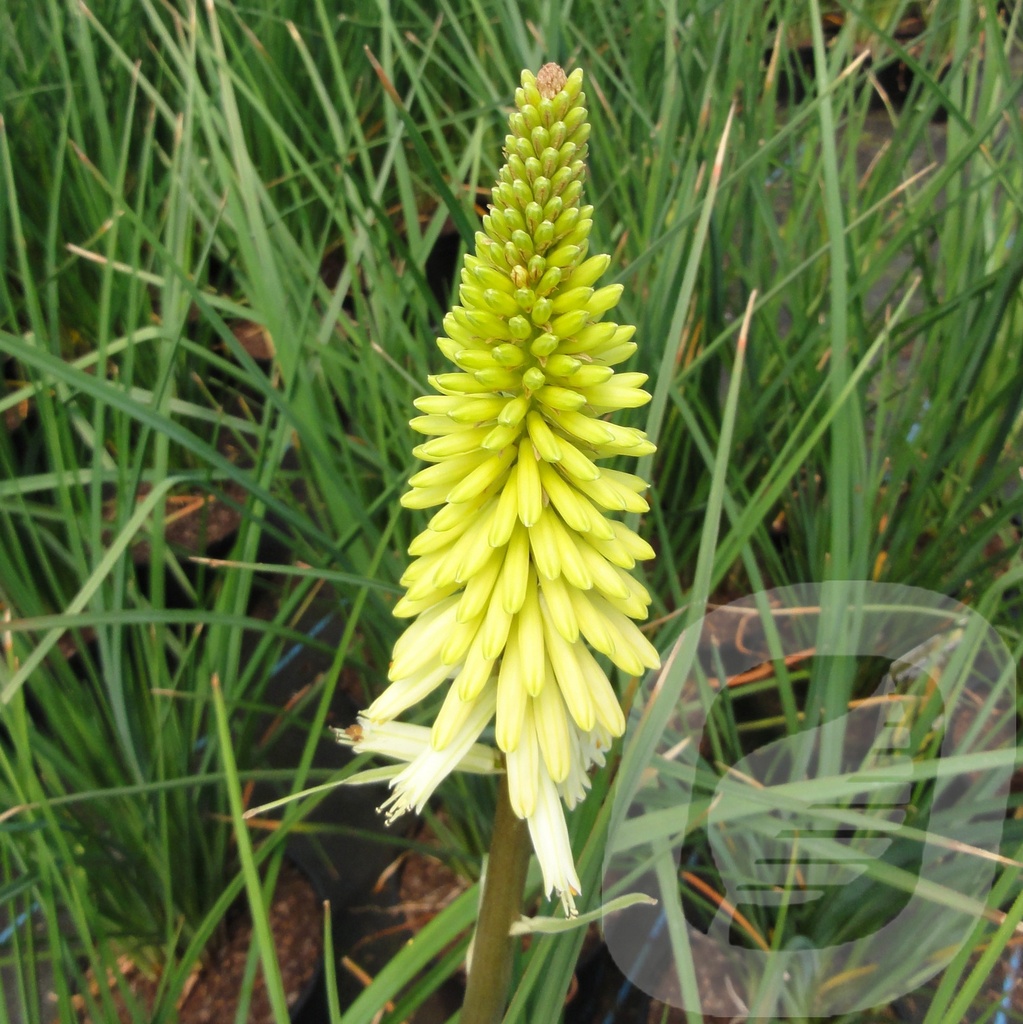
x=490, y=973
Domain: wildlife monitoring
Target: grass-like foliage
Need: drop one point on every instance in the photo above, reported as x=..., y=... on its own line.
x=177, y=179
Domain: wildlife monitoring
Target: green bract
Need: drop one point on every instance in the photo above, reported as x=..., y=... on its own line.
x=520, y=572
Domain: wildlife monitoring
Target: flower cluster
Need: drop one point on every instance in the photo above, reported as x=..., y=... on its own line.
x=521, y=571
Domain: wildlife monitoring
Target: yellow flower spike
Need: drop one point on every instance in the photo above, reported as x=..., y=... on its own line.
x=522, y=570
x=458, y=384
x=603, y=299
x=424, y=649
x=423, y=588
x=633, y=652
x=590, y=271
x=476, y=596
x=514, y=412
x=627, y=481
x=573, y=507
x=590, y=337
x=585, y=428
x=637, y=604
x=613, y=355
x=507, y=512
x=531, y=640
x=586, y=749
x=448, y=444
x=549, y=834
x=522, y=764
x=501, y=436
x=600, y=528
x=560, y=399
x=637, y=592
x=571, y=299
x=453, y=714
x=612, y=397
x=435, y=621
x=601, y=571
x=477, y=410
x=577, y=465
x=605, y=700
x=586, y=375
x=456, y=644
x=559, y=366
x=558, y=596
x=456, y=519
x=529, y=489
x=634, y=445
x=496, y=628
x=406, y=693
x=511, y=584
x=592, y=624
x=570, y=677
x=481, y=476
x=544, y=441
x=477, y=556
x=435, y=425
x=551, y=719
x=423, y=497
x=476, y=670
x=627, y=440
x=611, y=495
x=430, y=542
x=435, y=405
x=470, y=546
x=543, y=545
x=423, y=567
x=573, y=565
x=613, y=550
x=407, y=609
x=632, y=542
x=512, y=699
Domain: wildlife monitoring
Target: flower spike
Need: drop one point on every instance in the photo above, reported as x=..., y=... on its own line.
x=520, y=572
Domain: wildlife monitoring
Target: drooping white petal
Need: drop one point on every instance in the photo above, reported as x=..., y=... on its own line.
x=549, y=833
x=425, y=772
x=403, y=741
x=398, y=740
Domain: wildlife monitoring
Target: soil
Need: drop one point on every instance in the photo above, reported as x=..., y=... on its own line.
x=212, y=993
x=380, y=920
x=197, y=523
x=296, y=924
x=255, y=339
x=427, y=886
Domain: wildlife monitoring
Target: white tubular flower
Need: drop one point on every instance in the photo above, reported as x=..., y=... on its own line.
x=522, y=573
x=427, y=766
x=587, y=750
x=549, y=834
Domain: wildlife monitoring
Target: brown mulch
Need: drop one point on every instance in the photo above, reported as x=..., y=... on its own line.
x=195, y=520
x=427, y=885
x=296, y=920
x=254, y=338
x=212, y=993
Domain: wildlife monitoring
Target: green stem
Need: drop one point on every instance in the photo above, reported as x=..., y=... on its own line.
x=490, y=973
